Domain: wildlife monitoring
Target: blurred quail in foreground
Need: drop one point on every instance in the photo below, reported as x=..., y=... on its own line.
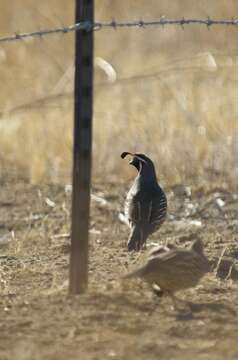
x=146, y=203
x=174, y=269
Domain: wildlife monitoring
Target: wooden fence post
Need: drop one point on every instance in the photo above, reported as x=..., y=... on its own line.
x=82, y=149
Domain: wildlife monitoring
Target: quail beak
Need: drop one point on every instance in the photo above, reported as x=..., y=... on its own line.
x=135, y=156
x=132, y=161
x=124, y=154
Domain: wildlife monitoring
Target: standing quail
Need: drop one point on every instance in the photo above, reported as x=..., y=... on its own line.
x=146, y=203
x=174, y=269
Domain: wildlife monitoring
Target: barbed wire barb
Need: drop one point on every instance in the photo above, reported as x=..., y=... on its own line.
x=208, y=23
x=142, y=24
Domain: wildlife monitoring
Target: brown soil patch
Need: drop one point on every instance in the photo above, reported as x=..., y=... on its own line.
x=112, y=321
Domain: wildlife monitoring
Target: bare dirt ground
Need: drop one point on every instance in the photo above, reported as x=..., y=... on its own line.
x=39, y=320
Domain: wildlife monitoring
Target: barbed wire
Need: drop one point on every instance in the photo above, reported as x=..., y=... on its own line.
x=88, y=26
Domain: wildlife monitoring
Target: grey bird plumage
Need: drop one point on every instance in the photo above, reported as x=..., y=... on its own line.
x=174, y=269
x=146, y=203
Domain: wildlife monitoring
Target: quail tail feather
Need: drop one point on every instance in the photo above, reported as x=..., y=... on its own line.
x=136, y=239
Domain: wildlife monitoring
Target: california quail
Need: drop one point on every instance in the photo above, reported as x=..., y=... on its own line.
x=175, y=269
x=146, y=203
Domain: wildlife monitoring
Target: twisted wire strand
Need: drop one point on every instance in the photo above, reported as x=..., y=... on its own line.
x=140, y=24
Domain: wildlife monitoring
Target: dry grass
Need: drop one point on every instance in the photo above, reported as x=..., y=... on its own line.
x=184, y=115
x=114, y=319
x=175, y=99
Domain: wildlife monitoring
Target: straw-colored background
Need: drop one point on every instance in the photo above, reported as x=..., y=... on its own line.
x=174, y=97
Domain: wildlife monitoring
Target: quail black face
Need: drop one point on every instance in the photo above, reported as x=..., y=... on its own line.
x=138, y=160
x=135, y=162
